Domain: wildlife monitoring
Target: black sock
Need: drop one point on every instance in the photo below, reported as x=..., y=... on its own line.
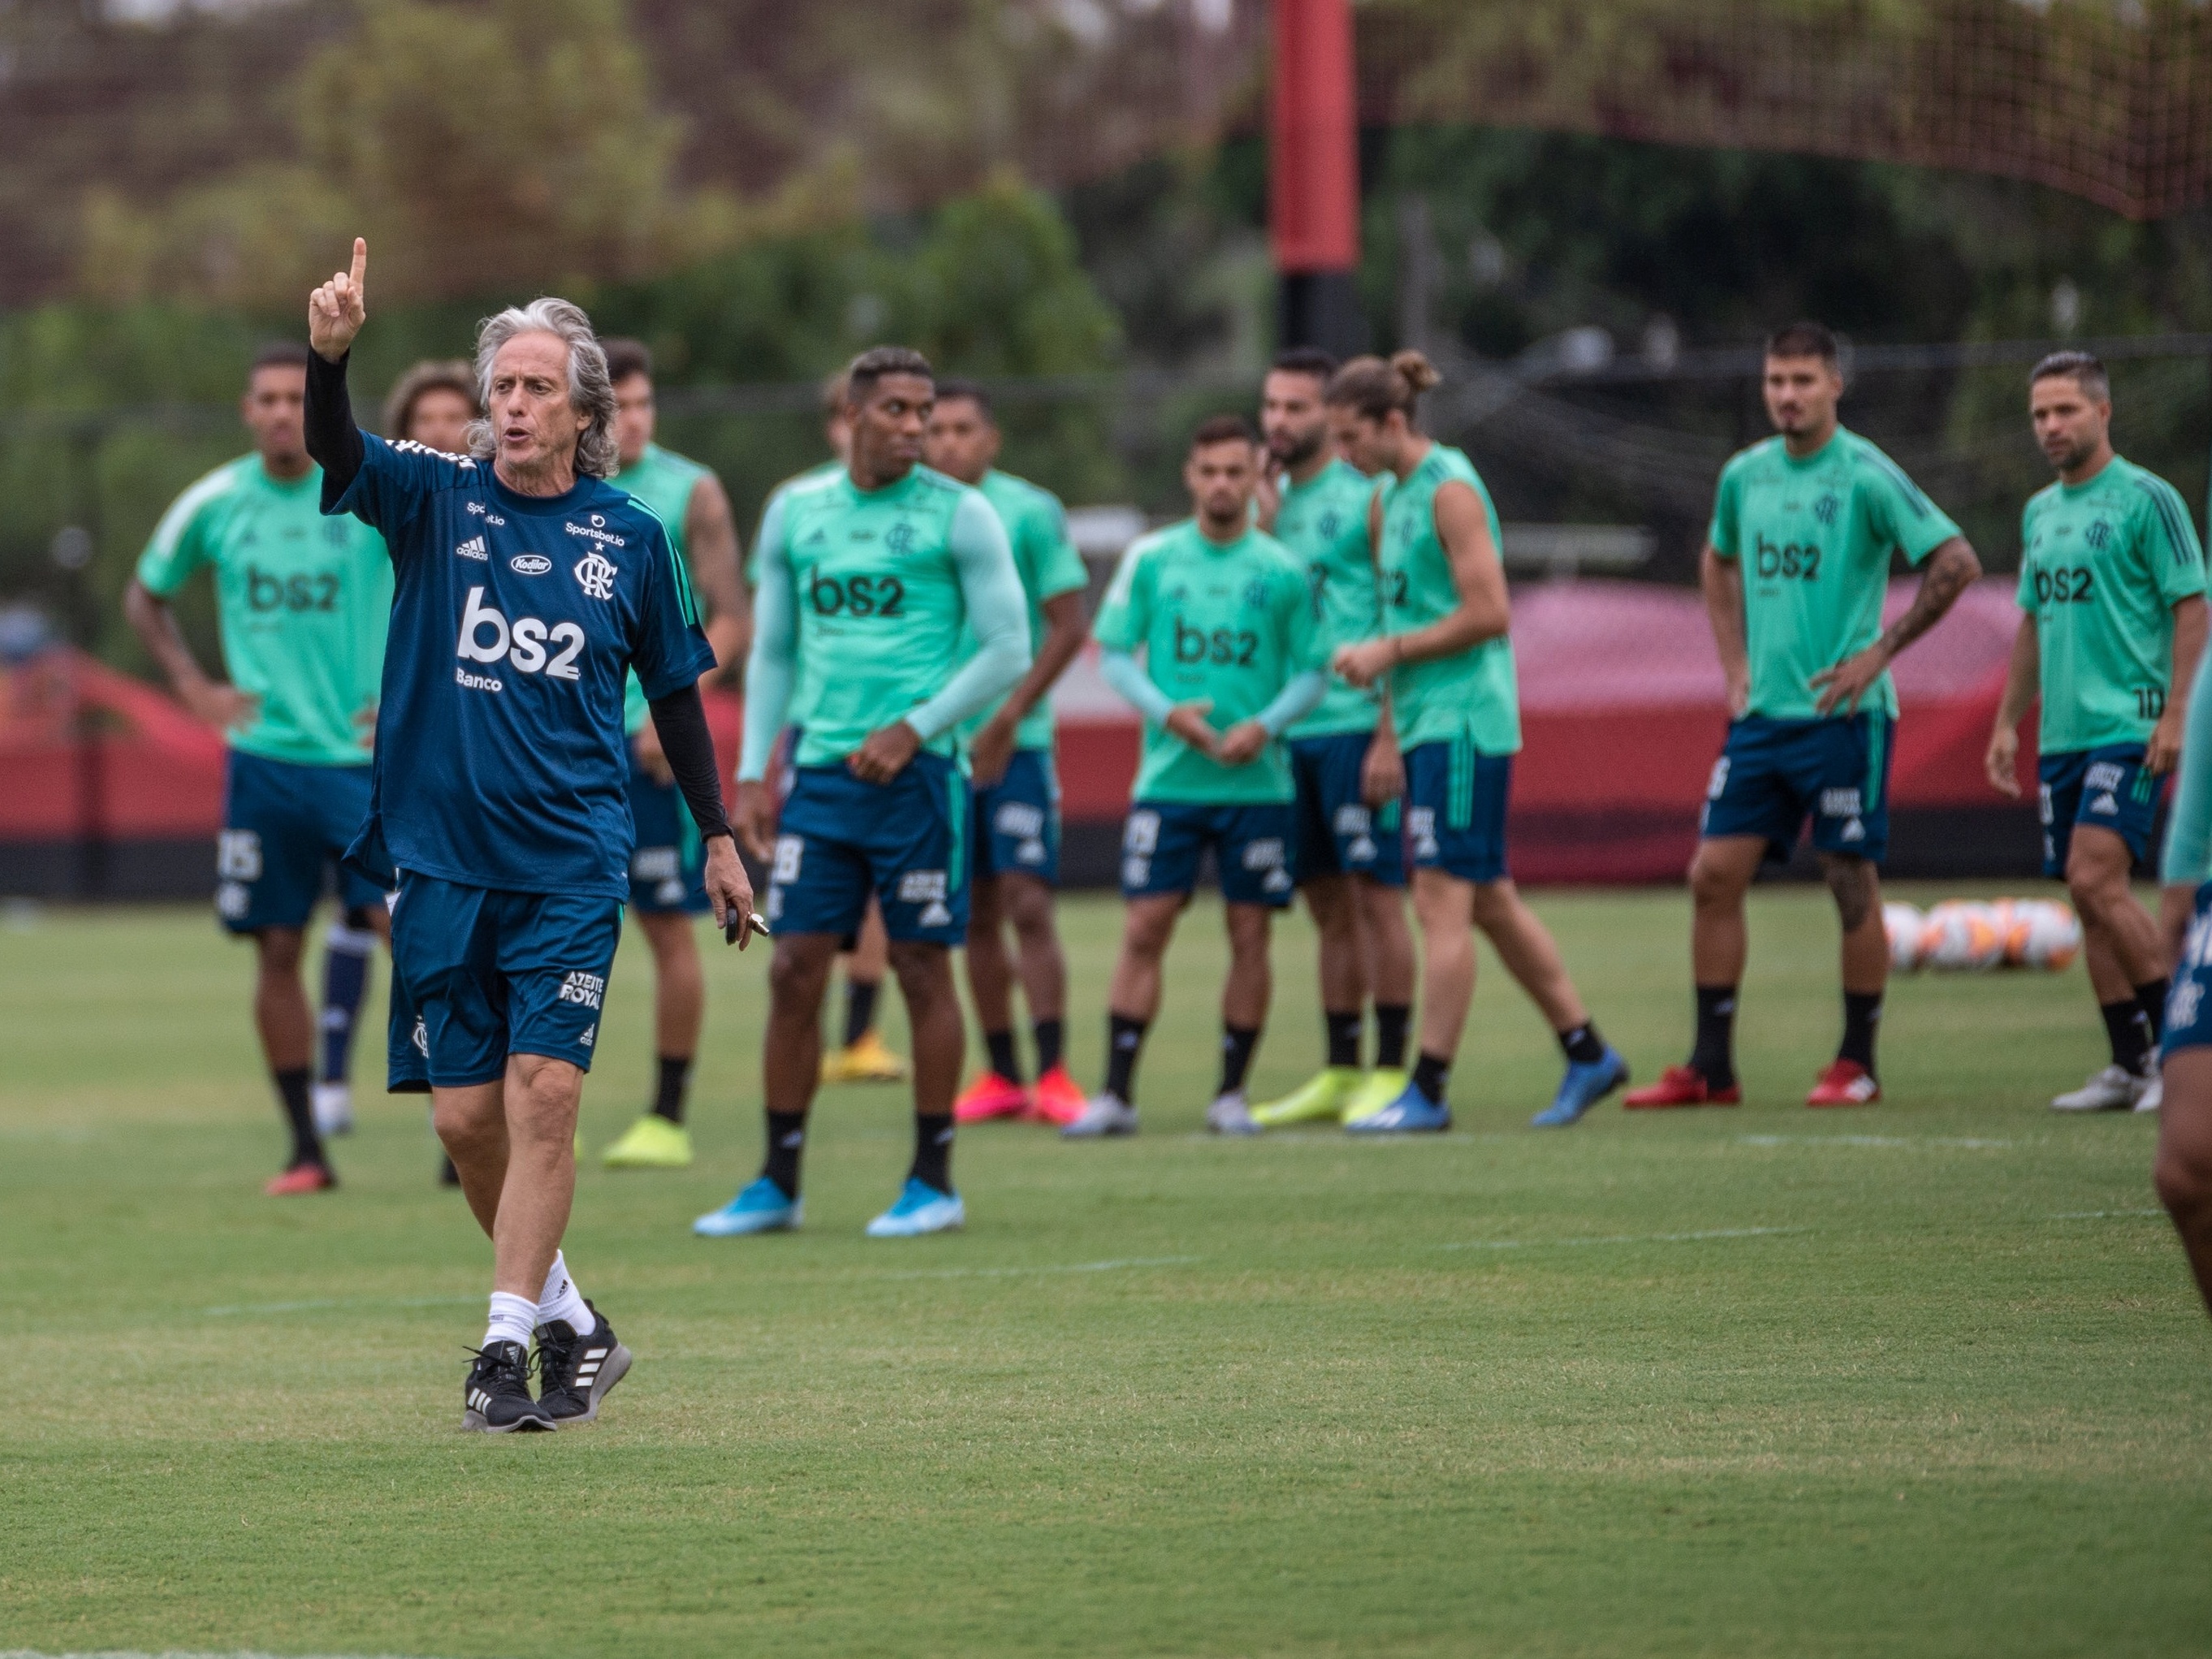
x=932, y=1151
x=1237, y=1043
x=1860, y=1015
x=1713, y=1058
x=2127, y=1031
x=292, y=1094
x=1583, y=1045
x=1003, y=1060
x=1432, y=1076
x=860, y=1008
x=1391, y=1020
x=1125, y=1039
x=2152, y=999
x=1344, y=1037
x=668, y=1095
x=786, y=1139
x=1051, y=1039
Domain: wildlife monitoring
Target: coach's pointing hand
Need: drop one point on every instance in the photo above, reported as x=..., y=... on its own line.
x=336, y=310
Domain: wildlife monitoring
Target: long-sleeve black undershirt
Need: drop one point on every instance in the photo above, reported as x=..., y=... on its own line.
x=680, y=718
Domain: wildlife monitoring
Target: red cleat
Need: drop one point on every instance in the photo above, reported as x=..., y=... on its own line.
x=1056, y=1099
x=1845, y=1083
x=1682, y=1085
x=299, y=1178
x=988, y=1096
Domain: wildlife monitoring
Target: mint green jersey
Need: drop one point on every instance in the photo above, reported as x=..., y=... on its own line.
x=873, y=586
x=813, y=475
x=2102, y=565
x=304, y=603
x=664, y=482
x=1234, y=624
x=1813, y=538
x=1048, y=565
x=1323, y=523
x=1475, y=696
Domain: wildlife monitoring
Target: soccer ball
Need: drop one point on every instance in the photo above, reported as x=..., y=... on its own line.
x=1903, y=923
x=1959, y=934
x=2049, y=935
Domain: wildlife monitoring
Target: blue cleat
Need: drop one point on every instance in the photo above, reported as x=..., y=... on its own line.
x=1582, y=1088
x=761, y=1208
x=920, y=1209
x=1411, y=1113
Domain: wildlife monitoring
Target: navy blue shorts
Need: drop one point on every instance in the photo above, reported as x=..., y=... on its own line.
x=478, y=974
x=668, y=861
x=1164, y=841
x=1339, y=834
x=1017, y=820
x=2189, y=998
x=1456, y=802
x=840, y=840
x=2102, y=788
x=285, y=827
x=1775, y=774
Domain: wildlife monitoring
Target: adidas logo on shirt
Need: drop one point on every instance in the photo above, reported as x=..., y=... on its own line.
x=472, y=549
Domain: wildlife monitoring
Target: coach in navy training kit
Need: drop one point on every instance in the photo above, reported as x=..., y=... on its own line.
x=525, y=589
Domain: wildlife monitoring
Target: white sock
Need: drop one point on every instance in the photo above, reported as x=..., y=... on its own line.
x=513, y=1319
x=561, y=1300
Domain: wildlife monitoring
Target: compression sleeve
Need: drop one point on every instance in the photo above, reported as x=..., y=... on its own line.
x=776, y=635
x=1126, y=675
x=680, y=718
x=333, y=438
x=2189, y=836
x=998, y=615
x=1294, y=701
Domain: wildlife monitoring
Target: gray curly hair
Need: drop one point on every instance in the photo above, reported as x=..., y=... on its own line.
x=590, y=392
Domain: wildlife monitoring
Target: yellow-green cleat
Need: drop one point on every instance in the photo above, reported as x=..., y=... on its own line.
x=1320, y=1099
x=650, y=1143
x=1382, y=1085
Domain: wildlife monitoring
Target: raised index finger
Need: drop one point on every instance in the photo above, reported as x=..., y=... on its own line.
x=359, y=262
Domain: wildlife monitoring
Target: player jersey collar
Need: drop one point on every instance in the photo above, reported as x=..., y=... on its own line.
x=542, y=506
x=1805, y=462
x=2076, y=491
x=311, y=479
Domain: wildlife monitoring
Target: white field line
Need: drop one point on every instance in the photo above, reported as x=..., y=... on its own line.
x=1115, y=1265
x=1972, y=1143
x=1623, y=1238
x=174, y=1653
x=2101, y=1215
x=319, y=1304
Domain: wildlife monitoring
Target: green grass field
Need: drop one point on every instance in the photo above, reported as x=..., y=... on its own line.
x=1927, y=1379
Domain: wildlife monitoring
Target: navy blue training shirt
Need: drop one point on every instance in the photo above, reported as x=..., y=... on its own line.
x=500, y=760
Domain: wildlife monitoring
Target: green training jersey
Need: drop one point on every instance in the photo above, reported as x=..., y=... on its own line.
x=813, y=475
x=875, y=595
x=664, y=482
x=1475, y=696
x=1813, y=538
x=1048, y=565
x=304, y=603
x=1234, y=624
x=2102, y=565
x=1323, y=523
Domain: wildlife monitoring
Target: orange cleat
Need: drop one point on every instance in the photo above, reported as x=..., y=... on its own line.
x=1056, y=1099
x=1682, y=1085
x=988, y=1096
x=1845, y=1083
x=299, y=1178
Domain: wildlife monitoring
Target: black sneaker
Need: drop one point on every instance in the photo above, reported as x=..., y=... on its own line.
x=574, y=1372
x=497, y=1394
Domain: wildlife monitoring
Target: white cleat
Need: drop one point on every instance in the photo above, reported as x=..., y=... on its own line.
x=1106, y=1115
x=333, y=1104
x=2153, y=1095
x=2115, y=1088
x=1230, y=1115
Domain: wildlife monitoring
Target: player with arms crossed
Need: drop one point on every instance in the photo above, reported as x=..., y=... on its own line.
x=526, y=589
x=1016, y=811
x=866, y=584
x=1350, y=857
x=2111, y=582
x=666, y=865
x=303, y=602
x=1455, y=698
x=1225, y=619
x=1796, y=568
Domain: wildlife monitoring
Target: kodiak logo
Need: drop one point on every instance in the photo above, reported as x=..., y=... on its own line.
x=530, y=564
